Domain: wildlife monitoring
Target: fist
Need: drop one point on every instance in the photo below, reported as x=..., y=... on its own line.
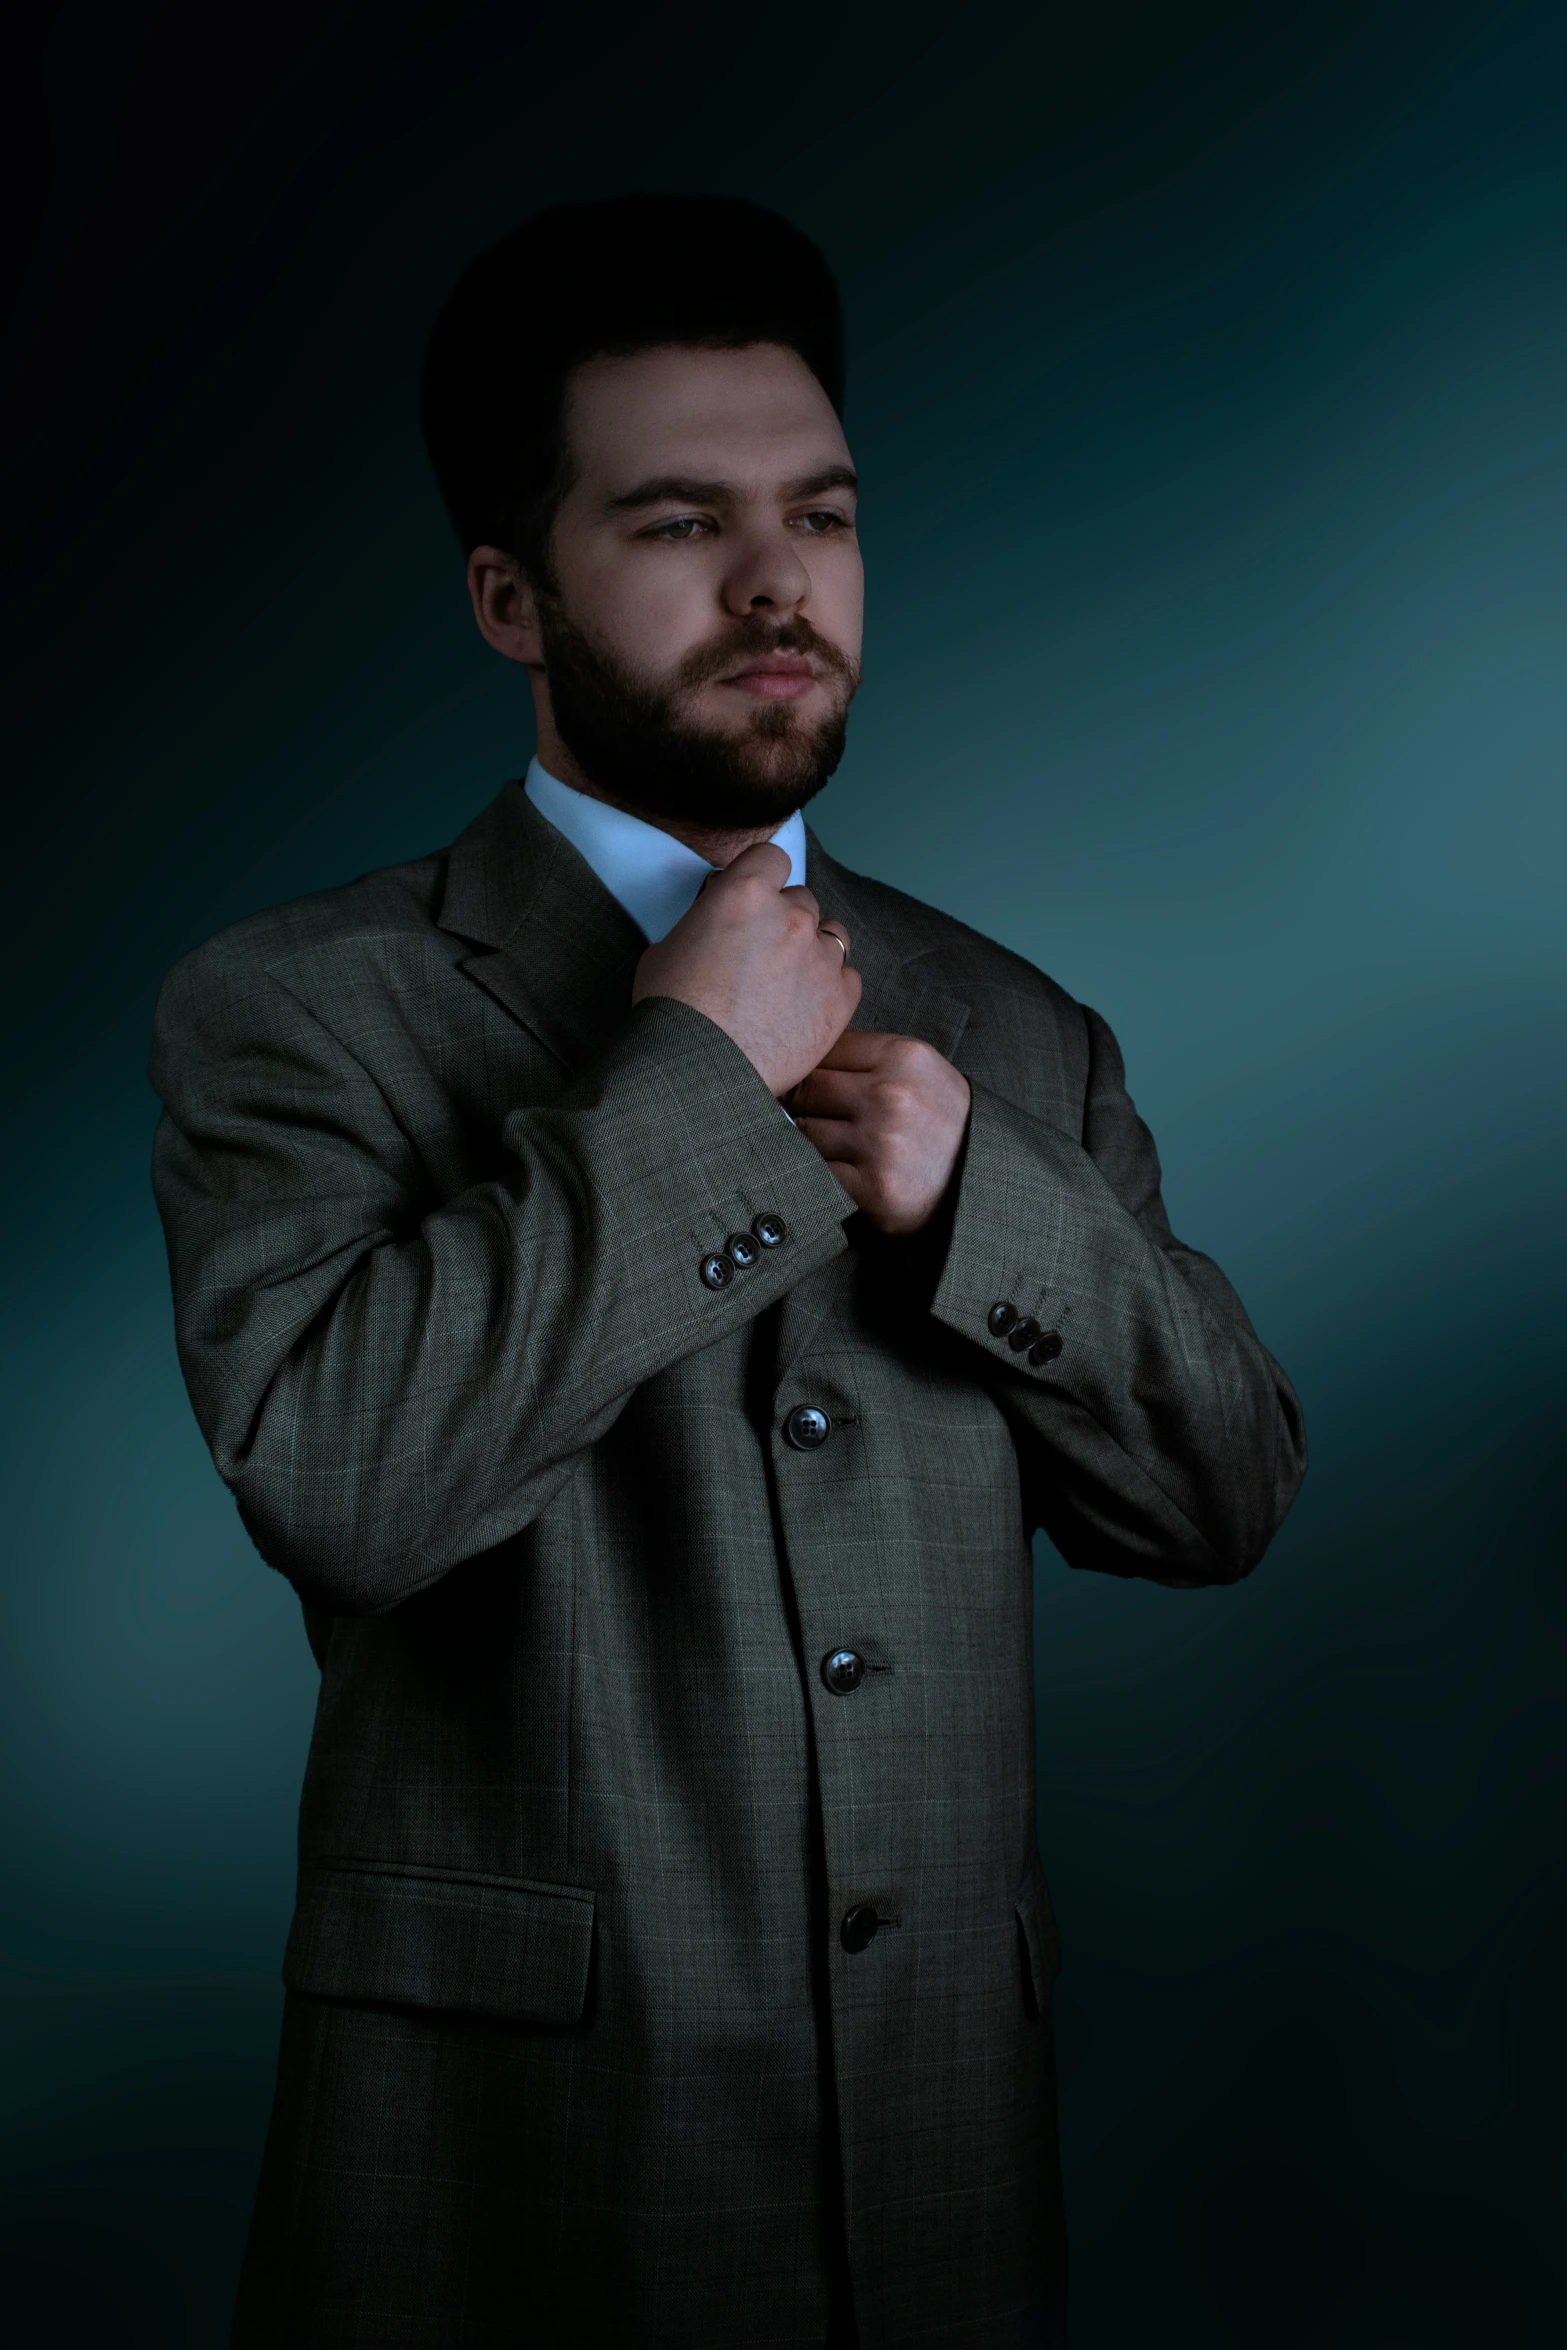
x=758, y=959
x=888, y=1114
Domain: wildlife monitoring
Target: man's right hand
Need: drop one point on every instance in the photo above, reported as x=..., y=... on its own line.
x=757, y=958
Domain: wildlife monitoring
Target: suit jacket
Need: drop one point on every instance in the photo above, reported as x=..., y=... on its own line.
x=577, y=2045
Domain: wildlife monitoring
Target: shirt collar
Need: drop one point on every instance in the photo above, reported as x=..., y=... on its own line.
x=653, y=875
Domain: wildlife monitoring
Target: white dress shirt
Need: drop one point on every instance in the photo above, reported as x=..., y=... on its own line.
x=653, y=875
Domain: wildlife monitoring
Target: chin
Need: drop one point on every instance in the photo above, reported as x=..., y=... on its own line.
x=769, y=759
x=784, y=777
x=776, y=741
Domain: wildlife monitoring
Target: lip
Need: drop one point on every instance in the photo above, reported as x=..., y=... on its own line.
x=775, y=676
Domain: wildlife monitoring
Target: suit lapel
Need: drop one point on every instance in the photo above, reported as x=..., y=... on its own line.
x=551, y=944
x=558, y=951
x=903, y=994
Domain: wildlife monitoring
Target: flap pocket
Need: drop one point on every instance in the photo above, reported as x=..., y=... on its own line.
x=407, y=1937
x=1037, y=1931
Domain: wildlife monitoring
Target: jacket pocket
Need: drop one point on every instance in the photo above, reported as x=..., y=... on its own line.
x=408, y=1937
x=1037, y=1934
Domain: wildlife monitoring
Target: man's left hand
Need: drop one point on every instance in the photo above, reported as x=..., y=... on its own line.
x=888, y=1114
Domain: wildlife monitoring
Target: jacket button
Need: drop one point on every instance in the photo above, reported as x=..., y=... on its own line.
x=770, y=1230
x=741, y=1250
x=1023, y=1334
x=807, y=1427
x=858, y=1930
x=843, y=1671
x=1046, y=1347
x=716, y=1271
x=1000, y=1318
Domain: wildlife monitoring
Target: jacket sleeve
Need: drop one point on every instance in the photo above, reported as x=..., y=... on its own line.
x=1158, y=1437
x=391, y=1382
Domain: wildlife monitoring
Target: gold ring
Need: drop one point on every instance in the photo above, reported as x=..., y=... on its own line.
x=836, y=940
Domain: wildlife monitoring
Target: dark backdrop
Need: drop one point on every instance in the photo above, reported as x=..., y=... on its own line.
x=1209, y=374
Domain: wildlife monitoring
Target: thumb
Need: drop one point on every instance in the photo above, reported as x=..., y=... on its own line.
x=763, y=861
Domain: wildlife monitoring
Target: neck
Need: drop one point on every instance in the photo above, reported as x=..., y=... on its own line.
x=719, y=844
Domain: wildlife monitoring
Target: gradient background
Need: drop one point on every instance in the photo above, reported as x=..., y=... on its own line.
x=1209, y=383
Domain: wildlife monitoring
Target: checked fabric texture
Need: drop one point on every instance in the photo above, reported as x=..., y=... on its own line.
x=648, y=1985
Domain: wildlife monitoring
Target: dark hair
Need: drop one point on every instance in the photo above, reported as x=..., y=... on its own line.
x=583, y=281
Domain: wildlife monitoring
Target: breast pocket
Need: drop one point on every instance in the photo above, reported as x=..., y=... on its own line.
x=383, y=1935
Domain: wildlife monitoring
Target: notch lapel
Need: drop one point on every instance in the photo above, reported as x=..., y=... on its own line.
x=550, y=943
x=903, y=995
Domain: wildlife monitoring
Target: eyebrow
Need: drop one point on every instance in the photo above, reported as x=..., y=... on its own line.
x=679, y=489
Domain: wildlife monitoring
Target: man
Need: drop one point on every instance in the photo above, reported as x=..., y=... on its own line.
x=650, y=1383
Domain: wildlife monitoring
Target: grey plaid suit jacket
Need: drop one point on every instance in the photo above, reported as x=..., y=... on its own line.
x=574, y=2048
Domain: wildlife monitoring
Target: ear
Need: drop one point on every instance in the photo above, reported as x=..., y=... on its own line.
x=504, y=606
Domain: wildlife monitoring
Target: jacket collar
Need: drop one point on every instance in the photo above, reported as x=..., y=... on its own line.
x=558, y=951
x=550, y=943
x=903, y=993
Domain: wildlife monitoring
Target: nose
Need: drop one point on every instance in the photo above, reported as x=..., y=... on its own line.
x=766, y=575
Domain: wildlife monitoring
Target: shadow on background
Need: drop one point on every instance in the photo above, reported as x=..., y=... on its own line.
x=1208, y=376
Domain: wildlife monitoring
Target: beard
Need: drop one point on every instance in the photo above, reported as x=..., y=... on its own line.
x=629, y=739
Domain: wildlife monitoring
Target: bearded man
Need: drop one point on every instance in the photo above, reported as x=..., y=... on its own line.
x=644, y=1286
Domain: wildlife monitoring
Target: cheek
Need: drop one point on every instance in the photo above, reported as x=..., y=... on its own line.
x=649, y=614
x=838, y=596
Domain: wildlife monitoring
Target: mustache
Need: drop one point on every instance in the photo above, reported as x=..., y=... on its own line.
x=755, y=635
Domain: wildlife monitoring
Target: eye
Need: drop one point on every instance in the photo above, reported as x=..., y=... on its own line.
x=822, y=521
x=679, y=529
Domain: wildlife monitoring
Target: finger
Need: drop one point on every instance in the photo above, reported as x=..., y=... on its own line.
x=804, y=898
x=853, y=1180
x=835, y=1138
x=763, y=861
x=861, y=1049
x=832, y=1093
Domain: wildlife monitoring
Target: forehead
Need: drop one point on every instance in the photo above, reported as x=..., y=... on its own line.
x=738, y=415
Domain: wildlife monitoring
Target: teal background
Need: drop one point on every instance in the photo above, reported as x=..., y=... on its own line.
x=1208, y=380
